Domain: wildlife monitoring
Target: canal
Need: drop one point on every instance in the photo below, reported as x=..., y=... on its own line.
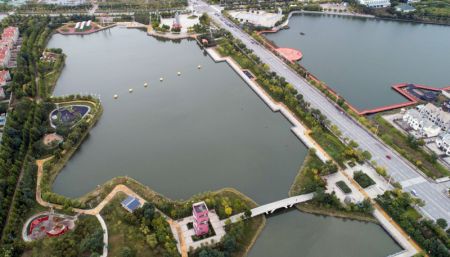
x=362, y=58
x=203, y=130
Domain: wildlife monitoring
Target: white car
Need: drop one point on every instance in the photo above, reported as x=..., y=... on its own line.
x=413, y=192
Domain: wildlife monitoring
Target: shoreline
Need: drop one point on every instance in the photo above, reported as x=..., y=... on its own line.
x=409, y=247
x=85, y=32
x=356, y=15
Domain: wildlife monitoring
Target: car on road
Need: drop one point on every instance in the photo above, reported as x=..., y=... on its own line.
x=388, y=157
x=413, y=192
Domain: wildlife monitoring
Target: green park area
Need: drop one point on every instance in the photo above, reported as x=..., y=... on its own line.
x=430, y=235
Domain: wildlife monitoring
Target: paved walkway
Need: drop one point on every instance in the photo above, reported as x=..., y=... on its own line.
x=105, y=235
x=298, y=128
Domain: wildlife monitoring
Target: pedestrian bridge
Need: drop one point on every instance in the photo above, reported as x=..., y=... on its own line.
x=284, y=203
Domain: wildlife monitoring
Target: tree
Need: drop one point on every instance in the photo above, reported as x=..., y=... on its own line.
x=151, y=240
x=92, y=243
x=442, y=223
x=228, y=211
x=204, y=19
x=126, y=252
x=366, y=155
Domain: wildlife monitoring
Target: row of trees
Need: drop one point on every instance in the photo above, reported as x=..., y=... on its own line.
x=426, y=233
x=26, y=125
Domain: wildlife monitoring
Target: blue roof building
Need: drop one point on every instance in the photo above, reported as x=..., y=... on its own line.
x=131, y=204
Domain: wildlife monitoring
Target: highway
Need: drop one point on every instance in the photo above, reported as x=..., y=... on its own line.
x=437, y=204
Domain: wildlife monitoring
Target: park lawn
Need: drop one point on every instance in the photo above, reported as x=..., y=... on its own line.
x=419, y=157
x=331, y=144
x=313, y=208
x=412, y=213
x=304, y=179
x=252, y=228
x=440, y=8
x=122, y=234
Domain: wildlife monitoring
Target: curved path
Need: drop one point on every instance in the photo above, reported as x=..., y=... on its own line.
x=96, y=210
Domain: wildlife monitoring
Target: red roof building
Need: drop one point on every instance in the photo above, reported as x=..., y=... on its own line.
x=10, y=34
x=4, y=77
x=5, y=54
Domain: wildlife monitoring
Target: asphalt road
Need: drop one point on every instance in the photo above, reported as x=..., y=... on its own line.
x=437, y=204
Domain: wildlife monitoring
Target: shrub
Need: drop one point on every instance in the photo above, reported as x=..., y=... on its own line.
x=363, y=179
x=343, y=186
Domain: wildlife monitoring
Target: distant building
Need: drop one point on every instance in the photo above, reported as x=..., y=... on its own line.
x=4, y=77
x=2, y=119
x=443, y=142
x=436, y=115
x=131, y=204
x=375, y=3
x=420, y=124
x=5, y=55
x=428, y=120
x=201, y=219
x=404, y=8
x=11, y=34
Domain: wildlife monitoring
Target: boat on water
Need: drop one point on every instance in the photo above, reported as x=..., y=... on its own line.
x=302, y=33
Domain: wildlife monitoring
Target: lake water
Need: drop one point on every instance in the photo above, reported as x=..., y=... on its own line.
x=362, y=58
x=203, y=130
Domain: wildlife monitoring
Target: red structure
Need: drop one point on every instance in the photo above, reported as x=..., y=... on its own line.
x=201, y=219
x=290, y=54
x=35, y=223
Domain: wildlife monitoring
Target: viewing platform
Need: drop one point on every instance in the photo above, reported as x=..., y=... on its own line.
x=290, y=54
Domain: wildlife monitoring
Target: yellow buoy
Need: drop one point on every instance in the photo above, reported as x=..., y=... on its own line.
x=130, y=90
x=199, y=67
x=116, y=96
x=161, y=79
x=145, y=84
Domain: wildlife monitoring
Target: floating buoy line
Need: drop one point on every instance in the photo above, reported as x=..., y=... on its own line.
x=130, y=90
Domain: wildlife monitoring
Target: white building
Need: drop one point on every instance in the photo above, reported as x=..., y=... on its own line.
x=436, y=115
x=428, y=120
x=375, y=3
x=414, y=119
x=443, y=142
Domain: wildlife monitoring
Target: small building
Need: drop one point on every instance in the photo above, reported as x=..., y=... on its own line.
x=375, y=3
x=404, y=8
x=2, y=119
x=436, y=115
x=416, y=120
x=4, y=77
x=201, y=218
x=446, y=106
x=131, y=204
x=5, y=55
x=443, y=142
x=10, y=34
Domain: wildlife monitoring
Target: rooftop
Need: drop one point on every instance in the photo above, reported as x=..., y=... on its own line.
x=131, y=203
x=199, y=207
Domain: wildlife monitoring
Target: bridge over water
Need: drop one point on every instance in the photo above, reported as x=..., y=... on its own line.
x=280, y=204
x=272, y=207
